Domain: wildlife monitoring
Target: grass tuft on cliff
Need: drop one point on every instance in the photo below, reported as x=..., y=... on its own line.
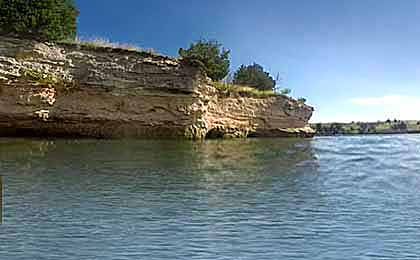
x=103, y=43
x=230, y=88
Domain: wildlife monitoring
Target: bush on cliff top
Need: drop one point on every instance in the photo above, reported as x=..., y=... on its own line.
x=211, y=55
x=50, y=20
x=255, y=77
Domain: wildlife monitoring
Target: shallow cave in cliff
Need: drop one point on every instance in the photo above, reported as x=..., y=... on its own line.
x=214, y=134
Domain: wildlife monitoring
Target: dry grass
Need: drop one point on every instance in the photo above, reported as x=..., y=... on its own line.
x=244, y=90
x=98, y=42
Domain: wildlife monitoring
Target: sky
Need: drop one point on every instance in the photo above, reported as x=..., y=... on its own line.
x=355, y=60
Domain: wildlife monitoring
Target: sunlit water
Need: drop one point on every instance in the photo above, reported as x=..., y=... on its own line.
x=326, y=198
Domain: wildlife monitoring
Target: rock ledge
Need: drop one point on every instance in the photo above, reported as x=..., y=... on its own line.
x=69, y=91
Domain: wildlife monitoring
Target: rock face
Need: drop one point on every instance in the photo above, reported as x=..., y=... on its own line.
x=71, y=90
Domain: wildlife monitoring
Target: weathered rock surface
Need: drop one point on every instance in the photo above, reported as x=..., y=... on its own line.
x=70, y=90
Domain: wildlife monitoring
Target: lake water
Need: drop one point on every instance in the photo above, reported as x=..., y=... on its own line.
x=326, y=198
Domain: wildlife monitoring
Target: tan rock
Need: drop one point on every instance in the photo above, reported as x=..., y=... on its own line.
x=69, y=90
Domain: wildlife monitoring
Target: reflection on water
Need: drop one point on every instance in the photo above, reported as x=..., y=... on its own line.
x=235, y=199
x=206, y=163
x=1, y=199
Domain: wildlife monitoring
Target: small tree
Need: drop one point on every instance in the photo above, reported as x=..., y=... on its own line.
x=211, y=55
x=254, y=76
x=40, y=19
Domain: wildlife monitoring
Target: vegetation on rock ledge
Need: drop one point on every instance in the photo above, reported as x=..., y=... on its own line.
x=47, y=79
x=242, y=90
x=102, y=43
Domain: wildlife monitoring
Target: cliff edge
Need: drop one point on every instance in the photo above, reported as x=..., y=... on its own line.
x=70, y=90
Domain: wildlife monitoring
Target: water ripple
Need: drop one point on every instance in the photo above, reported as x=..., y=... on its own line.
x=327, y=198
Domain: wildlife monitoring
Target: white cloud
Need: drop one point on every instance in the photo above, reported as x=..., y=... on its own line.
x=394, y=100
x=393, y=106
x=369, y=109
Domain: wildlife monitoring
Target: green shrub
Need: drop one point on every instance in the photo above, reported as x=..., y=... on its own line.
x=254, y=76
x=285, y=91
x=302, y=100
x=211, y=55
x=50, y=20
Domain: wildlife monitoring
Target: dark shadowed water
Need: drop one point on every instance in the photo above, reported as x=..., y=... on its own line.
x=326, y=198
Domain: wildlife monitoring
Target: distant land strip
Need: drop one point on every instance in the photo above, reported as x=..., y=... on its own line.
x=357, y=128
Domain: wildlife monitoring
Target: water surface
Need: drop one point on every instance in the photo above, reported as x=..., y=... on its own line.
x=326, y=198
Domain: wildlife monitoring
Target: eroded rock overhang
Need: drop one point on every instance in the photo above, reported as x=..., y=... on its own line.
x=71, y=90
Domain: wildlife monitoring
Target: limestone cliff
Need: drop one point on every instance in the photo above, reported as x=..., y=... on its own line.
x=72, y=90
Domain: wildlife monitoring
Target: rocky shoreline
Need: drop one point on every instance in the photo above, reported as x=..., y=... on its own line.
x=67, y=90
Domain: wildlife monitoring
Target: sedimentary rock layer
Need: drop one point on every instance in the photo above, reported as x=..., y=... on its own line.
x=73, y=90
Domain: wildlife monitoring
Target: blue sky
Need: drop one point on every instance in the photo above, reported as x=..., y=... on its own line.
x=352, y=60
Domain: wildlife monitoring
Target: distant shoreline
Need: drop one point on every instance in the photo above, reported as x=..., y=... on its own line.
x=361, y=134
x=368, y=128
